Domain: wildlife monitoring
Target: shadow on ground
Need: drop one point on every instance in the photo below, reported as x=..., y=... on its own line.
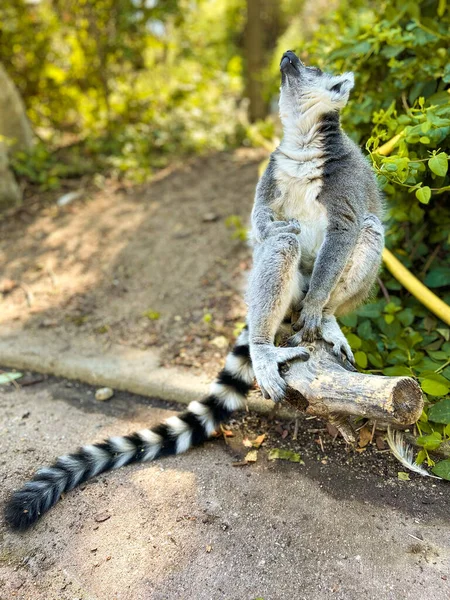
x=194, y=526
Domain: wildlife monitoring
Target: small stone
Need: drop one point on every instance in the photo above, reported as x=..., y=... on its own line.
x=220, y=341
x=210, y=218
x=103, y=394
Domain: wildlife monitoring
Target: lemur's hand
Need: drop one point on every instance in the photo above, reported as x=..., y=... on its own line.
x=309, y=322
x=276, y=227
x=266, y=360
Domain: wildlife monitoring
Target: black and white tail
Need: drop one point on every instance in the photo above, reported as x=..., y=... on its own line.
x=177, y=434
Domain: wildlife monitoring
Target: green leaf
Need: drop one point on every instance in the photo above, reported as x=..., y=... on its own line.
x=375, y=359
x=349, y=320
x=440, y=412
x=439, y=164
x=280, y=454
x=423, y=194
x=438, y=277
x=8, y=377
x=435, y=386
x=403, y=476
x=152, y=315
x=397, y=357
x=365, y=330
x=442, y=469
x=431, y=441
x=397, y=371
x=421, y=456
x=361, y=359
x=354, y=341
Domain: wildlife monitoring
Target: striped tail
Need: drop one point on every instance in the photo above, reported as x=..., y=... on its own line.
x=177, y=434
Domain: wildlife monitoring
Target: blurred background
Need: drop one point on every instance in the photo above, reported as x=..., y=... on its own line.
x=132, y=132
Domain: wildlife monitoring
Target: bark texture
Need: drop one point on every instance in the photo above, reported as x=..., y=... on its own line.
x=326, y=387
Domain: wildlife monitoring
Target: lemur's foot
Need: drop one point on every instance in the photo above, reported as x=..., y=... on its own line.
x=266, y=360
x=331, y=333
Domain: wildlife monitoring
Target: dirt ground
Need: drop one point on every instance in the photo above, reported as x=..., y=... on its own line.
x=341, y=526
x=150, y=265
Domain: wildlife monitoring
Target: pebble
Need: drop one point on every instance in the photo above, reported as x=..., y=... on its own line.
x=103, y=394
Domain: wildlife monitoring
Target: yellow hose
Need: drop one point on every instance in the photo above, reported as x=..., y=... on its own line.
x=387, y=148
x=417, y=289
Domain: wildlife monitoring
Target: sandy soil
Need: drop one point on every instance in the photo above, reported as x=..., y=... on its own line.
x=341, y=526
x=97, y=265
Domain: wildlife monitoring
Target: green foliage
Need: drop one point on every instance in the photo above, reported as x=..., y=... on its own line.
x=132, y=81
x=399, y=53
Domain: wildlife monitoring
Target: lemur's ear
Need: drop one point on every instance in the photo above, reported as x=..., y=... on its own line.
x=341, y=85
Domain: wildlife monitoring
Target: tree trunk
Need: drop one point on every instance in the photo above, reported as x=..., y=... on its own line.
x=263, y=26
x=326, y=387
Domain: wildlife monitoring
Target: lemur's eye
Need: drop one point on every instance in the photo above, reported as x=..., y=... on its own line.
x=336, y=88
x=315, y=70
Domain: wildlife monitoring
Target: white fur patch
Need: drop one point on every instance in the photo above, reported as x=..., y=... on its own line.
x=240, y=366
x=100, y=458
x=204, y=415
x=124, y=448
x=152, y=441
x=300, y=184
x=229, y=397
x=182, y=432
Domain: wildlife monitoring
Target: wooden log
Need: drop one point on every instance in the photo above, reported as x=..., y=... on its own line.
x=329, y=388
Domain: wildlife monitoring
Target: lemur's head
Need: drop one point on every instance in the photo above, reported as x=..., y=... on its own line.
x=308, y=89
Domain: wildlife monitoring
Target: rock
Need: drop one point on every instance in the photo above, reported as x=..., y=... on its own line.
x=14, y=123
x=15, y=127
x=103, y=394
x=10, y=194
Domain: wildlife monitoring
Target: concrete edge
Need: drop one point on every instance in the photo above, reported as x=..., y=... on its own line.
x=116, y=366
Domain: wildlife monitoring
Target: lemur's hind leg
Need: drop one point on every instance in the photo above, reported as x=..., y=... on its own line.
x=361, y=270
x=274, y=286
x=354, y=285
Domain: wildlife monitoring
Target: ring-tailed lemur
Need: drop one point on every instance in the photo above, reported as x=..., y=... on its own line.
x=317, y=247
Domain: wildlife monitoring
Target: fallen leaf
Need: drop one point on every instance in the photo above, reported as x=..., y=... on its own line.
x=252, y=456
x=379, y=441
x=8, y=377
x=403, y=476
x=259, y=440
x=247, y=443
x=279, y=454
x=332, y=430
x=365, y=435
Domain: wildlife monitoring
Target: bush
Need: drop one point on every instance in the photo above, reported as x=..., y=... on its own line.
x=399, y=53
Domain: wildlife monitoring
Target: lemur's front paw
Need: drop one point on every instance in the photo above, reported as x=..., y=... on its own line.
x=309, y=322
x=291, y=226
x=266, y=360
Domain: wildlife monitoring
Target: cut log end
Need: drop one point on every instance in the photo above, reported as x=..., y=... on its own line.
x=407, y=400
x=326, y=387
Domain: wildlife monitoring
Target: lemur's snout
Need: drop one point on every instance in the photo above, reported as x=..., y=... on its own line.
x=290, y=62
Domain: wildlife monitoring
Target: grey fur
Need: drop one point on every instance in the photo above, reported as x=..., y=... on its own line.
x=316, y=225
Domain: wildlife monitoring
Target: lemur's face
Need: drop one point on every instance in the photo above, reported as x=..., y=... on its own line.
x=304, y=88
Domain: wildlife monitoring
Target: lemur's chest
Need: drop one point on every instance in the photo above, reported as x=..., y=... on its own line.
x=298, y=200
